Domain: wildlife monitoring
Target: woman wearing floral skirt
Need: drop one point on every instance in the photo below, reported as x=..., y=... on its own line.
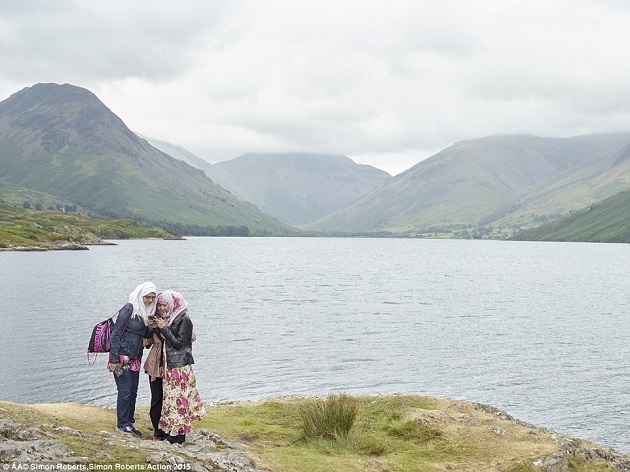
x=181, y=402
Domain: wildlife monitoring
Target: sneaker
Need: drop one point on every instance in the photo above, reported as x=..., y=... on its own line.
x=135, y=431
x=126, y=430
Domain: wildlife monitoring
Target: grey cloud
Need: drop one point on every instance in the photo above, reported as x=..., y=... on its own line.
x=377, y=80
x=101, y=41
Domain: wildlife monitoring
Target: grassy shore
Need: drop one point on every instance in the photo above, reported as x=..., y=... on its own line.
x=390, y=433
x=30, y=229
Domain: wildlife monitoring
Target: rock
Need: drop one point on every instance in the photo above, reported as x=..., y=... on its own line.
x=11, y=430
x=204, y=434
x=25, y=248
x=35, y=451
x=233, y=461
x=226, y=455
x=558, y=462
x=68, y=246
x=165, y=458
x=203, y=451
x=571, y=446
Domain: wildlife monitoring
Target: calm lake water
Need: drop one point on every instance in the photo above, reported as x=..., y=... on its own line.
x=537, y=329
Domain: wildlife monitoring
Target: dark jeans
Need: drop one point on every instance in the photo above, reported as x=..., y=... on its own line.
x=155, y=412
x=127, y=385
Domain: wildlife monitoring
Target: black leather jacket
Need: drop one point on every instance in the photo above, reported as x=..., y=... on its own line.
x=178, y=337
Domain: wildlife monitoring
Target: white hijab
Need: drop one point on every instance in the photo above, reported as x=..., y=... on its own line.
x=136, y=299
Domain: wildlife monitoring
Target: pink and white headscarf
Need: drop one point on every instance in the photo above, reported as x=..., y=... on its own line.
x=175, y=301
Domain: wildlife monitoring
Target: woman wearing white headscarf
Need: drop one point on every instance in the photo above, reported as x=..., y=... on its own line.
x=181, y=401
x=125, y=352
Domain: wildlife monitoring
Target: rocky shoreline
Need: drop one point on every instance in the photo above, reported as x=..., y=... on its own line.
x=559, y=462
x=45, y=446
x=21, y=446
x=56, y=247
x=71, y=246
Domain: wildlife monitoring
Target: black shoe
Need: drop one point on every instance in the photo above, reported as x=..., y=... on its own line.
x=181, y=439
x=126, y=430
x=136, y=431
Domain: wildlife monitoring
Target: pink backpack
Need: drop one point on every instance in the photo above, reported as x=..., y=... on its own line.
x=101, y=336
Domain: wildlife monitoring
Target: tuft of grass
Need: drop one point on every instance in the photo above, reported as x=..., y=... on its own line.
x=364, y=444
x=523, y=466
x=331, y=418
x=415, y=431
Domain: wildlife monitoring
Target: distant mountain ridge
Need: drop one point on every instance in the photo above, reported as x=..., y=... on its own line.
x=60, y=145
x=296, y=188
x=300, y=187
x=490, y=184
x=62, y=140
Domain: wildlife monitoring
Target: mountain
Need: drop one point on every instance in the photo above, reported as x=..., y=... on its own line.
x=183, y=154
x=494, y=185
x=217, y=175
x=607, y=221
x=298, y=188
x=62, y=140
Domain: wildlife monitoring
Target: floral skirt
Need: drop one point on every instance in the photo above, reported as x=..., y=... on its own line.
x=182, y=403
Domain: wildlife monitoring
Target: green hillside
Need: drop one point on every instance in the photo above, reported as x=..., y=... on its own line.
x=491, y=186
x=607, y=221
x=61, y=140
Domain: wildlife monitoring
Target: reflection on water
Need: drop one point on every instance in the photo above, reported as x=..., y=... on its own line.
x=537, y=329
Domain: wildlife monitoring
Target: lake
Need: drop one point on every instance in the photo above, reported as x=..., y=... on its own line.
x=539, y=330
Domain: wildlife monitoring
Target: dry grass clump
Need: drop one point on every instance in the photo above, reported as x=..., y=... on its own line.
x=415, y=431
x=331, y=418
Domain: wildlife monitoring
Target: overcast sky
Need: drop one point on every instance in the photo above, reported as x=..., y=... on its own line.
x=386, y=83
